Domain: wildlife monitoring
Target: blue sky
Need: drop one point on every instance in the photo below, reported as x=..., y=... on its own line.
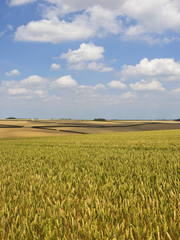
x=115, y=59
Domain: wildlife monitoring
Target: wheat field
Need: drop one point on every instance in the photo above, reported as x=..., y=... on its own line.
x=108, y=186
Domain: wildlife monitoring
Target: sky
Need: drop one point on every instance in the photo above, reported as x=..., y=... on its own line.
x=85, y=59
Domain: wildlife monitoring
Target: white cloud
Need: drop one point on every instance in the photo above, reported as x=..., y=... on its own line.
x=27, y=93
x=101, y=67
x=134, y=31
x=163, y=68
x=93, y=22
x=28, y=88
x=155, y=16
x=40, y=93
x=17, y=91
x=12, y=73
x=68, y=6
x=95, y=15
x=53, y=30
x=64, y=82
x=143, y=85
x=103, y=20
x=150, y=16
x=87, y=88
x=86, y=52
x=132, y=19
x=20, y=2
x=99, y=86
x=33, y=80
x=55, y=67
x=85, y=57
x=116, y=84
x=128, y=96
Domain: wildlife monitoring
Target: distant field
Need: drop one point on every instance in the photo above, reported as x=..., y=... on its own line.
x=36, y=128
x=27, y=132
x=99, y=186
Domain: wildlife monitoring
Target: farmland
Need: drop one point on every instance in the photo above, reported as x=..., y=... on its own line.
x=97, y=186
x=39, y=128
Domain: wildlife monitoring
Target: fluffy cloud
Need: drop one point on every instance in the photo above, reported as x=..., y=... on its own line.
x=99, y=86
x=154, y=16
x=128, y=96
x=20, y=2
x=17, y=91
x=53, y=30
x=143, y=85
x=55, y=67
x=64, y=82
x=33, y=80
x=85, y=58
x=86, y=52
x=130, y=18
x=12, y=73
x=93, y=22
x=26, y=93
x=103, y=20
x=163, y=68
x=29, y=87
x=87, y=89
x=116, y=84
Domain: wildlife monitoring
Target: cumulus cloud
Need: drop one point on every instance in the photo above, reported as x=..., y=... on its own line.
x=103, y=20
x=17, y=91
x=27, y=93
x=12, y=73
x=29, y=87
x=132, y=19
x=163, y=68
x=55, y=67
x=165, y=13
x=117, y=84
x=64, y=82
x=96, y=21
x=33, y=80
x=99, y=86
x=20, y=2
x=86, y=52
x=128, y=96
x=154, y=16
x=87, y=88
x=143, y=85
x=85, y=57
x=54, y=31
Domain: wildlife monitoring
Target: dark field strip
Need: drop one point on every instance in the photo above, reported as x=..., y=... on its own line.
x=111, y=186
x=115, y=128
x=152, y=125
x=10, y=126
x=60, y=130
x=70, y=131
